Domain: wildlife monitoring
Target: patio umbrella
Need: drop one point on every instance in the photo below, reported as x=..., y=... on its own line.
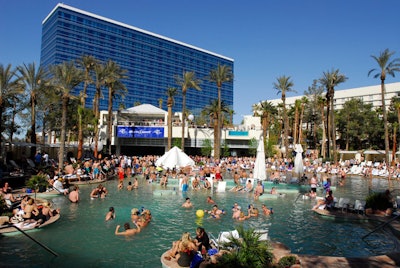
x=298, y=161
x=174, y=158
x=259, y=166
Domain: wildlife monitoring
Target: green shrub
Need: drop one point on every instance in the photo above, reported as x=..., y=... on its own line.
x=37, y=182
x=287, y=261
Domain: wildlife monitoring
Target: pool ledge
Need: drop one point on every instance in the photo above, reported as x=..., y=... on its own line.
x=389, y=260
x=280, y=250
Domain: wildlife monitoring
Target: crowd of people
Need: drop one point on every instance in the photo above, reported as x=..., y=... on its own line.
x=128, y=169
x=27, y=210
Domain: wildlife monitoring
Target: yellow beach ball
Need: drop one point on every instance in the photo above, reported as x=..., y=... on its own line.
x=200, y=213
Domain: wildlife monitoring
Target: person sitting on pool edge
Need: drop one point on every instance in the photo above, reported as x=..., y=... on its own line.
x=202, y=240
x=249, y=186
x=328, y=201
x=128, y=230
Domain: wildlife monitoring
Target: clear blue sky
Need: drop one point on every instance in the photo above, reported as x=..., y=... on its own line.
x=266, y=38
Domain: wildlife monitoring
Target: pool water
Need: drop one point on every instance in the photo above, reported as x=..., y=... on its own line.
x=83, y=239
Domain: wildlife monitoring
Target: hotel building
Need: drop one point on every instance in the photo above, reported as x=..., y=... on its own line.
x=152, y=61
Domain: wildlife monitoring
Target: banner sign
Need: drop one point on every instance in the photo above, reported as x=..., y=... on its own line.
x=140, y=132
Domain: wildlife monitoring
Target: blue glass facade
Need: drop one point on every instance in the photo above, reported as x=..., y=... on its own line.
x=152, y=61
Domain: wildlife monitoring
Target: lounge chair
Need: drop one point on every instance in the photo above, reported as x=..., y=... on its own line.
x=221, y=186
x=343, y=203
x=223, y=239
x=359, y=206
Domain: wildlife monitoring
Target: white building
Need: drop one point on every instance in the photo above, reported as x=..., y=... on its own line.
x=370, y=94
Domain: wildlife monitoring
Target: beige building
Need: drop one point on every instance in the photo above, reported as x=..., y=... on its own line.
x=370, y=94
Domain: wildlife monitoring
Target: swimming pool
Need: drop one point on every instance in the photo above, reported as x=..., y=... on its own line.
x=82, y=238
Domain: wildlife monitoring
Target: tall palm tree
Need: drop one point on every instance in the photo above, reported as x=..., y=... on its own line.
x=113, y=81
x=222, y=74
x=266, y=110
x=9, y=86
x=186, y=81
x=304, y=102
x=330, y=80
x=171, y=92
x=284, y=85
x=65, y=77
x=160, y=103
x=213, y=110
x=387, y=66
x=100, y=75
x=321, y=105
x=87, y=63
x=34, y=80
x=297, y=108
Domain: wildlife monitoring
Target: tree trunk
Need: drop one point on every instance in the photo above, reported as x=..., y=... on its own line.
x=183, y=121
x=301, y=123
x=285, y=129
x=63, y=130
x=109, y=119
x=80, y=134
x=295, y=125
x=333, y=127
x=169, y=124
x=328, y=127
x=217, y=139
x=33, y=128
x=385, y=122
x=323, y=144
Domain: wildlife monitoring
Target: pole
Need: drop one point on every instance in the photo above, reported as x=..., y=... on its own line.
x=380, y=226
x=33, y=239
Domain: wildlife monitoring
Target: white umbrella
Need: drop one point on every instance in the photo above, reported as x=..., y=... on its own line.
x=174, y=158
x=298, y=161
x=259, y=166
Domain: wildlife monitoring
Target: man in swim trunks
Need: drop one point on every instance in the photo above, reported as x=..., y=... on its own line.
x=128, y=230
x=187, y=203
x=74, y=195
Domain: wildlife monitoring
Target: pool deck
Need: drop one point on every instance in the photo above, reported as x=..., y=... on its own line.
x=389, y=260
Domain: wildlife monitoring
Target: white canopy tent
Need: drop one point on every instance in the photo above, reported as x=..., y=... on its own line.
x=174, y=158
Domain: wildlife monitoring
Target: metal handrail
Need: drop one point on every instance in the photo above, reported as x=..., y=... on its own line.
x=380, y=226
x=37, y=242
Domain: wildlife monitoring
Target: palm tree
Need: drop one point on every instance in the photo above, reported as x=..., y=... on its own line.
x=171, y=92
x=34, y=80
x=65, y=77
x=220, y=75
x=247, y=251
x=386, y=67
x=87, y=63
x=212, y=110
x=330, y=80
x=322, y=102
x=9, y=86
x=99, y=81
x=114, y=74
x=304, y=102
x=186, y=81
x=160, y=103
x=284, y=85
x=265, y=110
x=297, y=108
